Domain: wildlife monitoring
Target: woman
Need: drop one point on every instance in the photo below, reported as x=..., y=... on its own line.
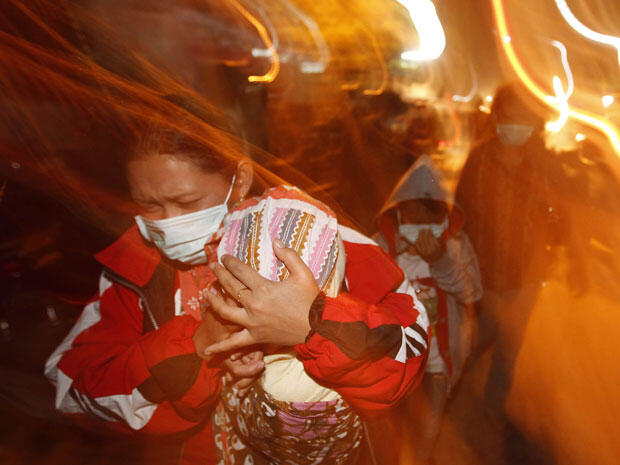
x=137, y=356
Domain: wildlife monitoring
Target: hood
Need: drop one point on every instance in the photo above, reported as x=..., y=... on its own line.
x=422, y=181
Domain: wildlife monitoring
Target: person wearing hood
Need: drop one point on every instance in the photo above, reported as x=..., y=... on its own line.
x=421, y=227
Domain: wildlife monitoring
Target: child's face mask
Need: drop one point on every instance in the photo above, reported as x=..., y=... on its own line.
x=411, y=232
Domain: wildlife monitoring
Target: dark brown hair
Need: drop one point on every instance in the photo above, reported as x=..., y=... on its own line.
x=190, y=131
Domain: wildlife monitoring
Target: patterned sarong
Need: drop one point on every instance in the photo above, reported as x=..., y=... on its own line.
x=259, y=430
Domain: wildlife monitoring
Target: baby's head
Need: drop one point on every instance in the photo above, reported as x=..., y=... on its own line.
x=300, y=222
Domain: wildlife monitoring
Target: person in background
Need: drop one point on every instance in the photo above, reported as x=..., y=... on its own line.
x=421, y=227
x=509, y=193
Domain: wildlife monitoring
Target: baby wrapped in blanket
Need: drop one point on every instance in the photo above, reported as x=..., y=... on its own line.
x=286, y=417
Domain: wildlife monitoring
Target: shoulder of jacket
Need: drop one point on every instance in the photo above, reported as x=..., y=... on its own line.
x=355, y=237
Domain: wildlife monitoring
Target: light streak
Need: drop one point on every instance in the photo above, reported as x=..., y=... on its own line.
x=592, y=120
x=384, y=71
x=430, y=32
x=311, y=67
x=474, y=88
x=274, y=70
x=584, y=30
x=561, y=96
x=607, y=100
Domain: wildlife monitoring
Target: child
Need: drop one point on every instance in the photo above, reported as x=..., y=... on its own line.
x=421, y=228
x=286, y=417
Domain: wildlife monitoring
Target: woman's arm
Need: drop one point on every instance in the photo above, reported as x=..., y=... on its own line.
x=109, y=371
x=368, y=344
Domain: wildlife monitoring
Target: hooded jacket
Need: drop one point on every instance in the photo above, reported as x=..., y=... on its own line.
x=455, y=275
x=130, y=363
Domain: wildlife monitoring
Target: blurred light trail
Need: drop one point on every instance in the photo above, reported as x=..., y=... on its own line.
x=561, y=96
x=265, y=52
x=384, y=71
x=499, y=15
x=311, y=67
x=430, y=32
x=607, y=100
x=474, y=88
x=262, y=32
x=584, y=30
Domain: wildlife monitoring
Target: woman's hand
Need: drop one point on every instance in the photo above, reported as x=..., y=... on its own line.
x=212, y=329
x=242, y=369
x=270, y=312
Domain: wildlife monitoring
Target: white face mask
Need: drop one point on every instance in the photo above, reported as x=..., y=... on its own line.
x=514, y=134
x=183, y=237
x=411, y=232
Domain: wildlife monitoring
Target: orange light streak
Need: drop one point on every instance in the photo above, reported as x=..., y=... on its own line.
x=607, y=128
x=264, y=35
x=384, y=71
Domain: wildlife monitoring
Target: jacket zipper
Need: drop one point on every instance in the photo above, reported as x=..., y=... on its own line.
x=131, y=286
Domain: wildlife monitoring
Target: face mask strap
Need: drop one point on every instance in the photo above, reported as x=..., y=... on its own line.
x=230, y=189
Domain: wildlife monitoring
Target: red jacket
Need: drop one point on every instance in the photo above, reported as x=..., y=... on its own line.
x=131, y=361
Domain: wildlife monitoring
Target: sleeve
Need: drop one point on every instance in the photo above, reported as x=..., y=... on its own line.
x=370, y=348
x=457, y=272
x=108, y=370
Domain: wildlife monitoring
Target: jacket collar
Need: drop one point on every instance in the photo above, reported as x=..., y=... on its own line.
x=131, y=257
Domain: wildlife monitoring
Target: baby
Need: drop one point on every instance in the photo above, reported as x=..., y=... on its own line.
x=286, y=417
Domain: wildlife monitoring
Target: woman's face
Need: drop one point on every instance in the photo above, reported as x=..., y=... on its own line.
x=164, y=186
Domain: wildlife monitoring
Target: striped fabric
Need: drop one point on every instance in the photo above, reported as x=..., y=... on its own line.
x=300, y=222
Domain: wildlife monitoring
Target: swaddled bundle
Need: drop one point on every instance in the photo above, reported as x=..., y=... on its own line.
x=286, y=417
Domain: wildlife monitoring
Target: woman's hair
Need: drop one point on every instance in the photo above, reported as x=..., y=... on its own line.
x=190, y=131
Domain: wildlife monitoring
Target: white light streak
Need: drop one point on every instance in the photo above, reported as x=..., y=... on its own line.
x=584, y=30
x=431, y=33
x=474, y=88
x=311, y=67
x=561, y=95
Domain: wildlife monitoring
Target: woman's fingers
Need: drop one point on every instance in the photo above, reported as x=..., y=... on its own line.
x=227, y=280
x=292, y=261
x=238, y=274
x=237, y=340
x=227, y=311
